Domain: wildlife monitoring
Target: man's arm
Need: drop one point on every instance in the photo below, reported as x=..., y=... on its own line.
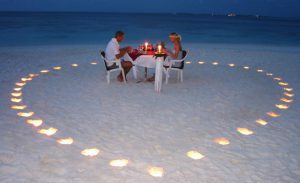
x=123, y=51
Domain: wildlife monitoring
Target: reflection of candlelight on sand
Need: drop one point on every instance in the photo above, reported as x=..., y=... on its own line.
x=156, y=171
x=57, y=68
x=25, y=114
x=18, y=107
x=246, y=67
x=277, y=79
x=16, y=100
x=283, y=84
x=286, y=100
x=273, y=114
x=16, y=94
x=66, y=141
x=74, y=65
x=119, y=162
x=201, y=62
x=245, y=131
x=231, y=65
x=44, y=71
x=21, y=84
x=222, y=141
x=195, y=155
x=90, y=152
x=35, y=122
x=288, y=94
x=261, y=122
x=215, y=63
x=282, y=106
x=17, y=89
x=50, y=131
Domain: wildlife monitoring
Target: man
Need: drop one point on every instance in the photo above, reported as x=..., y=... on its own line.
x=114, y=52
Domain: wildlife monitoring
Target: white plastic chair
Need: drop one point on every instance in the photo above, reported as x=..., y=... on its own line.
x=116, y=67
x=173, y=67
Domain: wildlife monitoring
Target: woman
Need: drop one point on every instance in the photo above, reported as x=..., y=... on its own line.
x=176, y=53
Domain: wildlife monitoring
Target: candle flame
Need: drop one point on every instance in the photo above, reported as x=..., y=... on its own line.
x=215, y=63
x=49, y=132
x=282, y=106
x=283, y=84
x=74, y=65
x=231, y=65
x=278, y=79
x=286, y=100
x=18, y=107
x=273, y=114
x=261, y=122
x=269, y=74
x=44, y=71
x=195, y=155
x=201, y=62
x=246, y=67
x=25, y=114
x=16, y=94
x=94, y=63
x=20, y=84
x=26, y=79
x=35, y=122
x=17, y=89
x=222, y=141
x=288, y=94
x=16, y=100
x=90, y=152
x=57, y=68
x=33, y=75
x=119, y=162
x=260, y=70
x=66, y=141
x=156, y=171
x=188, y=62
x=245, y=131
x=288, y=89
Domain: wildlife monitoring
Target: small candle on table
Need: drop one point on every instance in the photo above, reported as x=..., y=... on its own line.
x=146, y=45
x=159, y=48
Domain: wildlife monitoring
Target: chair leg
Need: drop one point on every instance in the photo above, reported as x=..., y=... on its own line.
x=167, y=76
x=134, y=70
x=108, y=77
x=123, y=74
x=178, y=75
x=181, y=75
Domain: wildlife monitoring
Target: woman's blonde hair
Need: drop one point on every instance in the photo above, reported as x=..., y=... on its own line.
x=175, y=35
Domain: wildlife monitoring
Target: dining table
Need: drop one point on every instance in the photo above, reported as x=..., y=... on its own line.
x=152, y=60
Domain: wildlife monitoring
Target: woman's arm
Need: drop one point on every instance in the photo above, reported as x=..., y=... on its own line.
x=177, y=50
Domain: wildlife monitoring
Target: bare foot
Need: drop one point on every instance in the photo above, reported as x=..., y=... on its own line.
x=120, y=78
x=151, y=79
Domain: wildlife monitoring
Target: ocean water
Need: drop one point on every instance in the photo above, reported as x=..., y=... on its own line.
x=28, y=28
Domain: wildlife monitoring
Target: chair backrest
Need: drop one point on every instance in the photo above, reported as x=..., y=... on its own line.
x=184, y=55
x=102, y=55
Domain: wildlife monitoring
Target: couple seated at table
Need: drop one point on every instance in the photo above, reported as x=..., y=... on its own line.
x=114, y=52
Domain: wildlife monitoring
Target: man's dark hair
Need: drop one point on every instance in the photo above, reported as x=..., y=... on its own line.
x=119, y=33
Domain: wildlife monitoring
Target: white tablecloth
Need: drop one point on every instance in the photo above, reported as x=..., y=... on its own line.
x=145, y=61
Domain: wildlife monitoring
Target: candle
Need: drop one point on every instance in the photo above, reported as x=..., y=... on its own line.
x=146, y=45
x=159, y=48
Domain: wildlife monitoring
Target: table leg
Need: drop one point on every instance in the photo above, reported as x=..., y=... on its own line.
x=158, y=74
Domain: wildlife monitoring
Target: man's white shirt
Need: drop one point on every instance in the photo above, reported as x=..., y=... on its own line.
x=112, y=49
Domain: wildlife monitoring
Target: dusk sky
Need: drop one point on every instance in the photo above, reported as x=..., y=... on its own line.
x=286, y=8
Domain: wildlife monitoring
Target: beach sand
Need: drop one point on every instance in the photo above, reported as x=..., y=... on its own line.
x=149, y=129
